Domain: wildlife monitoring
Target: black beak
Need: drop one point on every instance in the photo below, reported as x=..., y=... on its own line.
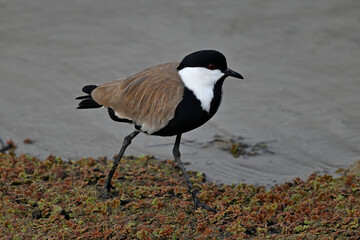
x=234, y=74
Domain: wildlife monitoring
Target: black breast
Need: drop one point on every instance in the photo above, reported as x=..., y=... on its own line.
x=189, y=114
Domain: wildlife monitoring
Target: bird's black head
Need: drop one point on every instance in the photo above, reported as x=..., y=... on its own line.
x=210, y=59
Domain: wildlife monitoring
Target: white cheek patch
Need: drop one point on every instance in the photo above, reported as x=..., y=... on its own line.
x=201, y=82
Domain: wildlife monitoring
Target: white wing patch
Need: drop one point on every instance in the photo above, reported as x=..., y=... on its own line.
x=201, y=82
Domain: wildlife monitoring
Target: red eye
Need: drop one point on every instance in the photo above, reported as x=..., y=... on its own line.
x=211, y=66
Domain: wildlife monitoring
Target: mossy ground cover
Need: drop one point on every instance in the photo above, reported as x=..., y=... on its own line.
x=56, y=199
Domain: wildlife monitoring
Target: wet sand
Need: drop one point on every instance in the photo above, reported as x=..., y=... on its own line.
x=300, y=60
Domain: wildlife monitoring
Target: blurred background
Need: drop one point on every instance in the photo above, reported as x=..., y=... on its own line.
x=300, y=59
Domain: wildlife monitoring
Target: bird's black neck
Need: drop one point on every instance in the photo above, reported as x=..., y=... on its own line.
x=215, y=102
x=189, y=114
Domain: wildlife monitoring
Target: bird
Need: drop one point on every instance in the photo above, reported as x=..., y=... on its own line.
x=164, y=100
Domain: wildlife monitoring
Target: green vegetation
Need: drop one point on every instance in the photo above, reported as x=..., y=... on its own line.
x=56, y=199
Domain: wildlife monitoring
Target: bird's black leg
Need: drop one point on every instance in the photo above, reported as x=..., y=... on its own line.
x=193, y=192
x=126, y=143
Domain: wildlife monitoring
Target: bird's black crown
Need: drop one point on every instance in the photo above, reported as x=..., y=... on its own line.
x=210, y=59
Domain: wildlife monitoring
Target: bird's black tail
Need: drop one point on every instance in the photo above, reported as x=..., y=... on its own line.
x=87, y=101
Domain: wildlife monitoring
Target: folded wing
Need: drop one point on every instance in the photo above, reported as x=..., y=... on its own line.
x=149, y=98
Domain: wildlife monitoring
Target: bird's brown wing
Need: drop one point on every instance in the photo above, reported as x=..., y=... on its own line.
x=148, y=98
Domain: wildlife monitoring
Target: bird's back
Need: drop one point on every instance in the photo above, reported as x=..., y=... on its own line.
x=149, y=98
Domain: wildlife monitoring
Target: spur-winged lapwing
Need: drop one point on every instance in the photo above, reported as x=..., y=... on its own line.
x=164, y=100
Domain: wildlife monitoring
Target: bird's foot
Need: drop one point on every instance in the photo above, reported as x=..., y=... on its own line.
x=204, y=206
x=108, y=186
x=198, y=204
x=106, y=193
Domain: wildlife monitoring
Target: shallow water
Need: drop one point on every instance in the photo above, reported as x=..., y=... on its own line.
x=300, y=61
